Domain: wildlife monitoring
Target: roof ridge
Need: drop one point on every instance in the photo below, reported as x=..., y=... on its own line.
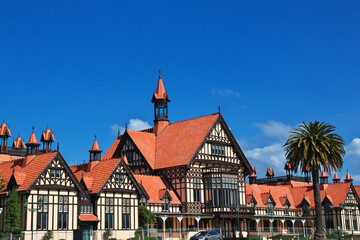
x=142, y=131
x=194, y=118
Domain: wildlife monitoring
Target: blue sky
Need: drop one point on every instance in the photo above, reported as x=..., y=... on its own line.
x=88, y=67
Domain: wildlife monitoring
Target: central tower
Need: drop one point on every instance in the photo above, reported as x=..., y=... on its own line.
x=160, y=99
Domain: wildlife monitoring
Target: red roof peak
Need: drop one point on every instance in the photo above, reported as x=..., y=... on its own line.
x=95, y=147
x=270, y=173
x=32, y=140
x=323, y=174
x=47, y=136
x=287, y=166
x=348, y=177
x=18, y=143
x=5, y=130
x=160, y=89
x=336, y=177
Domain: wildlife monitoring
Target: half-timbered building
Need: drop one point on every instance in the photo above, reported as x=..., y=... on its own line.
x=111, y=197
x=198, y=159
x=47, y=188
x=286, y=204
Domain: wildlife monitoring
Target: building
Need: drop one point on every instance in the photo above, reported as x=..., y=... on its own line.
x=191, y=174
x=287, y=203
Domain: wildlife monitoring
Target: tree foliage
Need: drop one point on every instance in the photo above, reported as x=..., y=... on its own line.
x=146, y=216
x=315, y=146
x=12, y=219
x=107, y=234
x=49, y=235
x=2, y=183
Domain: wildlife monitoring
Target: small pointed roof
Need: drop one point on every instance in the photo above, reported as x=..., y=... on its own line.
x=18, y=143
x=4, y=130
x=253, y=174
x=270, y=173
x=307, y=169
x=348, y=177
x=336, y=177
x=287, y=166
x=323, y=174
x=32, y=140
x=160, y=90
x=95, y=147
x=47, y=136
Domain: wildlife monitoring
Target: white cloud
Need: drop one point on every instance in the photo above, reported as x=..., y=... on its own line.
x=269, y=156
x=134, y=124
x=225, y=93
x=354, y=147
x=275, y=129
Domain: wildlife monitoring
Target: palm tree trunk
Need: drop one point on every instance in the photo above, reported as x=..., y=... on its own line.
x=318, y=207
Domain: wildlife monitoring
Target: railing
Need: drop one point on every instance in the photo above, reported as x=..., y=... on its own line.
x=281, y=179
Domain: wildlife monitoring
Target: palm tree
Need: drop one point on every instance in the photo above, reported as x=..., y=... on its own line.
x=315, y=145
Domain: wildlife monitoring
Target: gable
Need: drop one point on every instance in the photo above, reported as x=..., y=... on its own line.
x=57, y=175
x=221, y=147
x=119, y=181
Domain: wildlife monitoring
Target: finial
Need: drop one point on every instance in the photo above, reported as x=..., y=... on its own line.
x=95, y=137
x=347, y=170
x=33, y=129
x=57, y=147
x=125, y=126
x=118, y=132
x=219, y=108
x=82, y=174
x=159, y=74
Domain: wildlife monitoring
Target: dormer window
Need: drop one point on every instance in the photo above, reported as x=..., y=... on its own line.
x=166, y=205
x=129, y=156
x=269, y=208
x=119, y=178
x=252, y=204
x=305, y=209
x=55, y=173
x=218, y=150
x=287, y=209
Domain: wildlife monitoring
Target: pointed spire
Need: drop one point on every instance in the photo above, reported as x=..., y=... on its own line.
x=32, y=139
x=160, y=89
x=348, y=178
x=95, y=147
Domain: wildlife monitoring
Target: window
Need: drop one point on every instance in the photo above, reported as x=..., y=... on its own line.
x=126, y=214
x=218, y=150
x=165, y=205
x=286, y=210
x=306, y=211
x=197, y=188
x=109, y=213
x=129, y=156
x=42, y=215
x=252, y=204
x=221, y=191
x=355, y=226
x=328, y=216
x=350, y=196
x=119, y=178
x=55, y=173
x=269, y=208
x=347, y=219
x=63, y=212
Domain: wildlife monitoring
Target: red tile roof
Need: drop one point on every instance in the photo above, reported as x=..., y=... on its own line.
x=110, y=152
x=160, y=90
x=98, y=175
x=4, y=130
x=296, y=193
x=88, y=218
x=18, y=143
x=146, y=144
x=47, y=136
x=323, y=174
x=348, y=177
x=336, y=177
x=155, y=188
x=178, y=143
x=32, y=140
x=95, y=147
x=26, y=174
